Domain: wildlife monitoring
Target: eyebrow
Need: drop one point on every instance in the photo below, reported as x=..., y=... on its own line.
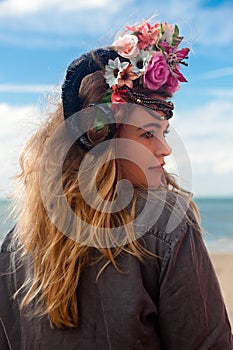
x=148, y=125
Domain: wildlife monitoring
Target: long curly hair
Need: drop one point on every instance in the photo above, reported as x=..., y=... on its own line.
x=58, y=259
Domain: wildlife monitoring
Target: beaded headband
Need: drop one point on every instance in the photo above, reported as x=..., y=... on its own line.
x=156, y=104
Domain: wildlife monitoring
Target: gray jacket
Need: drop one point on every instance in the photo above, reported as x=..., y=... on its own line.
x=173, y=302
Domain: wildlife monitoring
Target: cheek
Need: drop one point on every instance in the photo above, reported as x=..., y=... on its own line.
x=139, y=177
x=133, y=166
x=132, y=172
x=134, y=161
x=134, y=151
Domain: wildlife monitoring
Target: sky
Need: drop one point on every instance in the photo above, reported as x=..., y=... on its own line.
x=39, y=38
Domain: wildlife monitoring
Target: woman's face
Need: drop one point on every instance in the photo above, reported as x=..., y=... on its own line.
x=144, y=158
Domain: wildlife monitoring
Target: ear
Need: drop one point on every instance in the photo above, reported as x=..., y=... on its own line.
x=102, y=114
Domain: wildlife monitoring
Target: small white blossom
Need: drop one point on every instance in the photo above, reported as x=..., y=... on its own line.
x=113, y=69
x=140, y=62
x=168, y=31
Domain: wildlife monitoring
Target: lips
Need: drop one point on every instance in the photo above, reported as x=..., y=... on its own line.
x=158, y=168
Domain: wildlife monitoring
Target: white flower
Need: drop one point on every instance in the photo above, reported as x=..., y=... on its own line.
x=167, y=32
x=127, y=45
x=140, y=62
x=112, y=71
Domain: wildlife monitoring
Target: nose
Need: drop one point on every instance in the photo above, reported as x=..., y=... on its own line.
x=162, y=148
x=167, y=148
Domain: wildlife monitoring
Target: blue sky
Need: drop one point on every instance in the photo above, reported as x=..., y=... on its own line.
x=39, y=39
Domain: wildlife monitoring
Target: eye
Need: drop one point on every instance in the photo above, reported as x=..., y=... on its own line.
x=148, y=134
x=166, y=132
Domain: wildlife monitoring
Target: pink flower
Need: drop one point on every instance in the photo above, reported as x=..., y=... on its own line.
x=126, y=76
x=156, y=72
x=126, y=45
x=181, y=54
x=172, y=84
x=147, y=34
x=175, y=59
x=178, y=75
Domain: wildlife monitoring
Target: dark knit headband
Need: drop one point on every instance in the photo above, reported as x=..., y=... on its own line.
x=76, y=71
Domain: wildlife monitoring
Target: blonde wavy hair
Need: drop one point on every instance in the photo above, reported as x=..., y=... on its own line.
x=57, y=260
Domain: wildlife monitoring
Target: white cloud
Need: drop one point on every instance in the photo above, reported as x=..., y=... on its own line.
x=14, y=118
x=207, y=133
x=220, y=93
x=74, y=28
x=217, y=73
x=16, y=125
x=75, y=18
x=74, y=23
x=18, y=8
x=25, y=88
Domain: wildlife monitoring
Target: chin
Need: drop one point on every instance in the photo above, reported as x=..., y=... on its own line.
x=155, y=185
x=150, y=184
x=154, y=182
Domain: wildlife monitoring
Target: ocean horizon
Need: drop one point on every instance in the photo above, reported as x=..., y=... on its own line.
x=216, y=222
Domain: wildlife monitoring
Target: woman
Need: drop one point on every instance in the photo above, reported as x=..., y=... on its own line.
x=107, y=252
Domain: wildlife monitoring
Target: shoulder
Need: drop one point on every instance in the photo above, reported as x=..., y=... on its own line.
x=7, y=257
x=164, y=210
x=8, y=244
x=168, y=218
x=177, y=216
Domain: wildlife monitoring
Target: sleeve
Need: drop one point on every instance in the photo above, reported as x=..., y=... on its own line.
x=3, y=338
x=10, y=327
x=192, y=314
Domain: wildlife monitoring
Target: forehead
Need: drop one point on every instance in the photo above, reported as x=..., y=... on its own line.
x=142, y=115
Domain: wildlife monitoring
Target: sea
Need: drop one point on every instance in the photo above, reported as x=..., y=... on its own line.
x=216, y=222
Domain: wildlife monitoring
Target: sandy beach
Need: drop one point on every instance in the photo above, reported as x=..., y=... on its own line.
x=223, y=264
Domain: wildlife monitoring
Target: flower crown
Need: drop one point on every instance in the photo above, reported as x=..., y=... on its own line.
x=152, y=57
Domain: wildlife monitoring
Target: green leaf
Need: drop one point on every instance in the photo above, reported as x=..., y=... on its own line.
x=100, y=120
x=175, y=34
x=161, y=30
x=136, y=32
x=162, y=49
x=107, y=97
x=176, y=31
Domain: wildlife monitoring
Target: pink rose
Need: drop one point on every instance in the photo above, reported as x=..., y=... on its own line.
x=156, y=72
x=172, y=84
x=127, y=45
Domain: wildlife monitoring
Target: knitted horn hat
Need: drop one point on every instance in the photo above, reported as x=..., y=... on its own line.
x=148, y=57
x=76, y=71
